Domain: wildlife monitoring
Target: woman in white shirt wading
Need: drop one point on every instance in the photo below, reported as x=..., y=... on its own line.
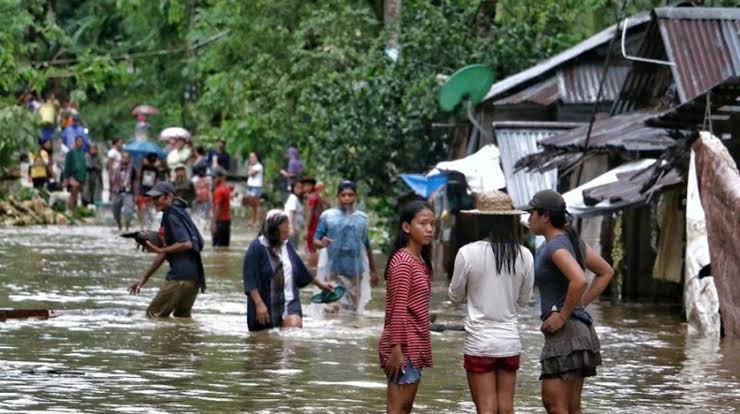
x=495, y=275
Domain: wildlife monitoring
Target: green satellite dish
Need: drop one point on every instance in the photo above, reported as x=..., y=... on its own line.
x=471, y=82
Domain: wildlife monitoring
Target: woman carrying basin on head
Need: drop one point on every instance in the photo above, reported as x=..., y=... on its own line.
x=405, y=346
x=273, y=272
x=495, y=275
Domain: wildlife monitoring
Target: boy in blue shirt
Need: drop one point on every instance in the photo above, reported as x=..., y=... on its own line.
x=348, y=257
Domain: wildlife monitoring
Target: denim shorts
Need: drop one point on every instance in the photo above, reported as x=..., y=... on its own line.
x=409, y=375
x=254, y=191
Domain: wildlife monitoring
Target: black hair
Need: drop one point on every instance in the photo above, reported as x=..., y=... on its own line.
x=116, y=139
x=200, y=150
x=256, y=154
x=346, y=184
x=293, y=184
x=502, y=231
x=407, y=213
x=558, y=220
x=271, y=228
x=24, y=157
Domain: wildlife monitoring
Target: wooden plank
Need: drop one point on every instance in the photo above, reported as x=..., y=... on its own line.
x=23, y=314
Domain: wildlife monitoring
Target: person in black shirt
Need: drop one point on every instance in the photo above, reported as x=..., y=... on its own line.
x=219, y=157
x=182, y=246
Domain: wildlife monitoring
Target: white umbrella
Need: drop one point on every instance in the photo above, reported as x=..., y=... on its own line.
x=145, y=110
x=174, y=132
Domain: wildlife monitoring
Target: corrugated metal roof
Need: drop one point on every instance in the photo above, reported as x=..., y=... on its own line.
x=541, y=68
x=704, y=43
x=724, y=100
x=577, y=83
x=627, y=131
x=647, y=83
x=515, y=143
x=543, y=93
x=580, y=83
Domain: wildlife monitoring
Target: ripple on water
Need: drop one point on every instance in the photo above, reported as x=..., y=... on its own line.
x=132, y=364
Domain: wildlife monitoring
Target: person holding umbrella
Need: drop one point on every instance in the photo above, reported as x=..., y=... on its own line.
x=142, y=126
x=178, y=157
x=70, y=134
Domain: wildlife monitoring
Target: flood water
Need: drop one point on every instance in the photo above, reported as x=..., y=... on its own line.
x=102, y=355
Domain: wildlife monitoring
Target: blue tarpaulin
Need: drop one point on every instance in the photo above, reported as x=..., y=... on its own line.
x=423, y=185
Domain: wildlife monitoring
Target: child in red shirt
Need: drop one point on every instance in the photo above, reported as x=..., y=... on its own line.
x=221, y=217
x=405, y=345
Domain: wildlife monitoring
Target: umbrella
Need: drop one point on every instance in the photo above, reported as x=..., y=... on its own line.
x=145, y=110
x=174, y=132
x=71, y=132
x=141, y=147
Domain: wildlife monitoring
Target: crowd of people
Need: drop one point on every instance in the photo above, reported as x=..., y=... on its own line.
x=493, y=276
x=64, y=157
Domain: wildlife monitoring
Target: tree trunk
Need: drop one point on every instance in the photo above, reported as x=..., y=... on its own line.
x=485, y=17
x=392, y=20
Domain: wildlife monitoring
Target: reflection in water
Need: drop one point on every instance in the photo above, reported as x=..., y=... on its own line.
x=103, y=355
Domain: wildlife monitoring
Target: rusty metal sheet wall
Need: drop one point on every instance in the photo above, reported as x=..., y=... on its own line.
x=543, y=93
x=515, y=143
x=617, y=131
x=580, y=83
x=705, y=51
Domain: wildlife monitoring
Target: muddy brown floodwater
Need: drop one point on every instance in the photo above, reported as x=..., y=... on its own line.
x=102, y=355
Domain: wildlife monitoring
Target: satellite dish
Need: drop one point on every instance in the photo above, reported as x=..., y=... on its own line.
x=470, y=83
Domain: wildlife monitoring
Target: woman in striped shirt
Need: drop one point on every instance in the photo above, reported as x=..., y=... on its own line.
x=405, y=346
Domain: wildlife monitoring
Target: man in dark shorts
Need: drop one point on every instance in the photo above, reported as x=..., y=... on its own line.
x=221, y=217
x=182, y=247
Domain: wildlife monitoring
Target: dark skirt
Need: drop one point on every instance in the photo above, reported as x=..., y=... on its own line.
x=572, y=352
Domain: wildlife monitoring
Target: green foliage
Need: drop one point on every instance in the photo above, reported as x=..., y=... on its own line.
x=59, y=206
x=82, y=212
x=266, y=74
x=17, y=134
x=25, y=194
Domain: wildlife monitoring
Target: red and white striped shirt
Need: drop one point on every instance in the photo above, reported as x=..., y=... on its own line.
x=408, y=291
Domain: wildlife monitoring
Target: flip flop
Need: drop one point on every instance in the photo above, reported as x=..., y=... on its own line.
x=328, y=297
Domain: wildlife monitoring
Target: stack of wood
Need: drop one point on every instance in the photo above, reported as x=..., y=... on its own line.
x=34, y=211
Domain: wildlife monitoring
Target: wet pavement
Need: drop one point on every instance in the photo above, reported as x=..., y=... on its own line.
x=102, y=355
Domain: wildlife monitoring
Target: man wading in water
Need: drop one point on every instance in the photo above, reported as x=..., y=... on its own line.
x=183, y=245
x=346, y=255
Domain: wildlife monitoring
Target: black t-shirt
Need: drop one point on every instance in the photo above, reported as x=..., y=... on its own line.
x=184, y=265
x=149, y=177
